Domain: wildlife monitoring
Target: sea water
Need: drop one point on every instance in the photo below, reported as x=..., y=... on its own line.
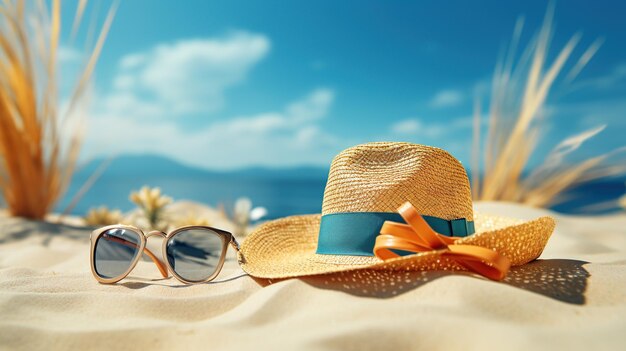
x=281, y=197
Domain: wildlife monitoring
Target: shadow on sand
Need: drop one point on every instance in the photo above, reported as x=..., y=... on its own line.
x=559, y=279
x=14, y=229
x=140, y=283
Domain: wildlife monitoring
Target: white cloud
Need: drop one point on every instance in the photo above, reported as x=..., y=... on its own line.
x=417, y=127
x=131, y=61
x=312, y=108
x=68, y=54
x=447, y=98
x=407, y=126
x=454, y=135
x=604, y=82
x=276, y=138
x=187, y=76
x=156, y=92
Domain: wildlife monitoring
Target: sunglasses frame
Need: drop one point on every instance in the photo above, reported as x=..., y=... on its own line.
x=164, y=267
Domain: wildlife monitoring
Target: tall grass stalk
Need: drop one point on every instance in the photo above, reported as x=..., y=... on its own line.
x=38, y=145
x=519, y=90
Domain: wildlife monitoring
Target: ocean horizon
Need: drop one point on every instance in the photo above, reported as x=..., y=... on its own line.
x=283, y=192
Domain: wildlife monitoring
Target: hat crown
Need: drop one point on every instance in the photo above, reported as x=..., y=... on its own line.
x=380, y=177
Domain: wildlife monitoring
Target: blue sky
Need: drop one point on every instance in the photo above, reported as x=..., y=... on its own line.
x=232, y=84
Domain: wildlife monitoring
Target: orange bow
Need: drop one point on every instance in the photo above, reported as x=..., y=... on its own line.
x=418, y=236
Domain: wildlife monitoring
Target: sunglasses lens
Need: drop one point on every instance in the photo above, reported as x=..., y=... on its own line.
x=195, y=254
x=115, y=251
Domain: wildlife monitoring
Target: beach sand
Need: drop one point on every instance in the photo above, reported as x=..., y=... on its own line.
x=573, y=298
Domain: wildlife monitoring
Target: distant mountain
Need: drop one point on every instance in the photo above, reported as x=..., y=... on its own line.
x=301, y=172
x=138, y=165
x=156, y=165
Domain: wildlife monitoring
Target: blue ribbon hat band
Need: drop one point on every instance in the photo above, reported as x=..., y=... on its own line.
x=355, y=233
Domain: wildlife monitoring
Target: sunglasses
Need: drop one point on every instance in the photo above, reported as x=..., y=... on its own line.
x=194, y=254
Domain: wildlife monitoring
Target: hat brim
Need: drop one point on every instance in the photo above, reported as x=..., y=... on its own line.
x=285, y=248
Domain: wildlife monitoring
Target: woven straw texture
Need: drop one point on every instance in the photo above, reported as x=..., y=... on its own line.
x=379, y=177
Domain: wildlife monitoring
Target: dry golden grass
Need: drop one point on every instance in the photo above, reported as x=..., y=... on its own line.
x=102, y=216
x=518, y=95
x=152, y=204
x=38, y=148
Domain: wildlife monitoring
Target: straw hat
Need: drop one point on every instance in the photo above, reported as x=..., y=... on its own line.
x=366, y=186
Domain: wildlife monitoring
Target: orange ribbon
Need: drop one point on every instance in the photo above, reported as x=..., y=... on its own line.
x=417, y=236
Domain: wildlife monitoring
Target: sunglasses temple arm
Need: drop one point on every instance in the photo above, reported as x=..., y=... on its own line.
x=234, y=243
x=152, y=256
